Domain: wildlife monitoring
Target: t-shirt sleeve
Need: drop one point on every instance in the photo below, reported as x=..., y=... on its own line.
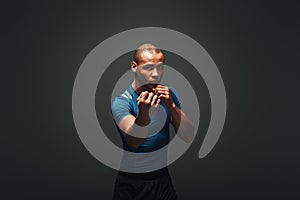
x=175, y=97
x=120, y=108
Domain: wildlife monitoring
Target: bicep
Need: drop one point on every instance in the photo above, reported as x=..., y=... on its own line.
x=178, y=110
x=121, y=111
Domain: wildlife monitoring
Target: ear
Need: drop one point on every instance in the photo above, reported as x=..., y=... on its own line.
x=133, y=66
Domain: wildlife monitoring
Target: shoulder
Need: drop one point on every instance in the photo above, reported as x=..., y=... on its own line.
x=173, y=92
x=124, y=98
x=172, y=89
x=175, y=96
x=122, y=106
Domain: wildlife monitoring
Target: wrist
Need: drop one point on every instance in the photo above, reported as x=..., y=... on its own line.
x=142, y=119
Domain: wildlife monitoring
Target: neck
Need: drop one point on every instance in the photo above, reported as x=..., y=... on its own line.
x=137, y=87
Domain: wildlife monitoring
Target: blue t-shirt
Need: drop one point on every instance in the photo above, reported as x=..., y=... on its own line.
x=158, y=128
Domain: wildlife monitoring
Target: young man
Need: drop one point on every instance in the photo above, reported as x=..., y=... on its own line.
x=142, y=115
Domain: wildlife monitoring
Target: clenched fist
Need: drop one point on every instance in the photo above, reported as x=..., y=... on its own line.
x=163, y=94
x=147, y=100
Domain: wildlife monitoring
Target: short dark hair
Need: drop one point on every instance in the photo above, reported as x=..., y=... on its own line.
x=144, y=47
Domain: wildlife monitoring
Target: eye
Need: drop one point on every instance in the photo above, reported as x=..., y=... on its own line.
x=148, y=67
x=160, y=67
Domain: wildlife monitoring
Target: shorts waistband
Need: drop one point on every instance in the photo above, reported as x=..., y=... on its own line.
x=147, y=175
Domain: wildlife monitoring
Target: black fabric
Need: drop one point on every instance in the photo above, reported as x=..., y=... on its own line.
x=155, y=185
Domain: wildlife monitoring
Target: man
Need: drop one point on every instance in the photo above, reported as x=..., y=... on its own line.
x=142, y=115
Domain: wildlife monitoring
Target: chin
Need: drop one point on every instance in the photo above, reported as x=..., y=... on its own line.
x=149, y=86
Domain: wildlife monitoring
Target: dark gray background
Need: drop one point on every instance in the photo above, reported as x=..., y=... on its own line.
x=254, y=44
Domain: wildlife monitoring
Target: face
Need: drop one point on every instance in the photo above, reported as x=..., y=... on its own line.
x=149, y=71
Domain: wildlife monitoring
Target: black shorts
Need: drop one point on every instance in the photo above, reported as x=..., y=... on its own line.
x=155, y=185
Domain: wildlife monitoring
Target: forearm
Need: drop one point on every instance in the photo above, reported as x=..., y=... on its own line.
x=136, y=128
x=175, y=116
x=183, y=126
x=137, y=132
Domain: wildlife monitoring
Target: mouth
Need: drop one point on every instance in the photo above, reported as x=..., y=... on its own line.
x=151, y=85
x=153, y=82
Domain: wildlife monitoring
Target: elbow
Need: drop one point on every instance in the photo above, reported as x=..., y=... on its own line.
x=134, y=144
x=191, y=134
x=187, y=133
x=133, y=141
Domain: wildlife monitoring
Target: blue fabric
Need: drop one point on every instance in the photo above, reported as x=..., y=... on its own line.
x=126, y=104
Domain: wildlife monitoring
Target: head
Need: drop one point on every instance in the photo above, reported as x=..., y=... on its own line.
x=147, y=66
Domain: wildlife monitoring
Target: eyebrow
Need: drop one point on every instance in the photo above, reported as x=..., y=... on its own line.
x=152, y=65
x=148, y=65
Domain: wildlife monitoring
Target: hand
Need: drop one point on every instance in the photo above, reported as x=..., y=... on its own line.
x=146, y=100
x=163, y=93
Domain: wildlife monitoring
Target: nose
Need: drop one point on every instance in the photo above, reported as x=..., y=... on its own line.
x=155, y=72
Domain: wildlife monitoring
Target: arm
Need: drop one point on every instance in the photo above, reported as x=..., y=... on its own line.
x=135, y=129
x=183, y=126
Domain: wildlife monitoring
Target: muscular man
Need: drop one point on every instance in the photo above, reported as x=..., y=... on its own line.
x=142, y=115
